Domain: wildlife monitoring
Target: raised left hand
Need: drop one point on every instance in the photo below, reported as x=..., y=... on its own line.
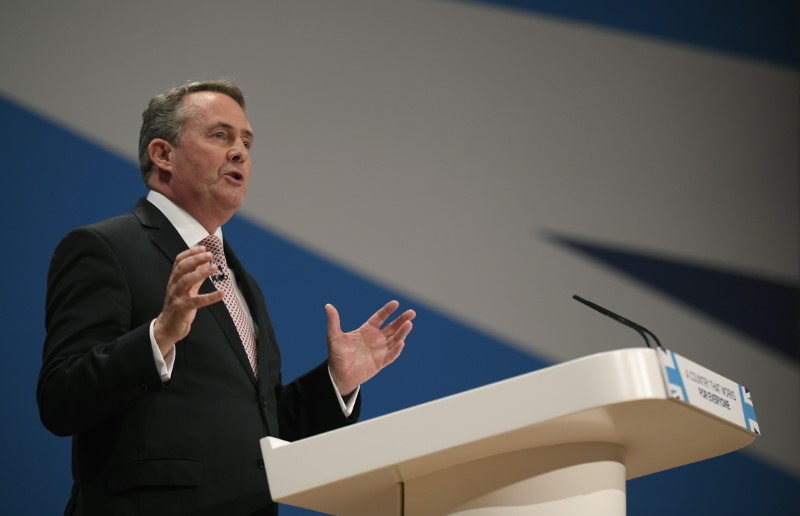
x=357, y=356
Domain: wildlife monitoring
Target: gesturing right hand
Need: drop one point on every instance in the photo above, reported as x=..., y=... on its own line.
x=191, y=268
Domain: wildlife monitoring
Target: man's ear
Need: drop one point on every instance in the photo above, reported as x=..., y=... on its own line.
x=160, y=152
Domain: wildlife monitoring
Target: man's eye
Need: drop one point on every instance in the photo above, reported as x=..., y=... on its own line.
x=219, y=135
x=247, y=143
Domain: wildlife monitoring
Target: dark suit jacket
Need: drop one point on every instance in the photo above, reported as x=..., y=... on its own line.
x=140, y=446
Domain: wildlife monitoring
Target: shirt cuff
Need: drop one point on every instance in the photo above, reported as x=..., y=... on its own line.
x=348, y=405
x=164, y=363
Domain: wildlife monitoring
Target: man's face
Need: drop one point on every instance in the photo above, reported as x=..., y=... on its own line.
x=211, y=163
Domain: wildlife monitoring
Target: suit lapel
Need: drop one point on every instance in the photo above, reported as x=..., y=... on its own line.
x=163, y=233
x=169, y=241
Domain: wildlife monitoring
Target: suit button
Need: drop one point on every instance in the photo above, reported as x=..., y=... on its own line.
x=261, y=464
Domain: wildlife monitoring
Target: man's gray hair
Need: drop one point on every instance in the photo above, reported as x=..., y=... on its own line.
x=166, y=116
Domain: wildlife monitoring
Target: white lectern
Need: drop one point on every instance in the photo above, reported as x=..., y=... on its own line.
x=558, y=441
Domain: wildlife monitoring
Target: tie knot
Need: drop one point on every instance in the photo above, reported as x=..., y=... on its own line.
x=214, y=245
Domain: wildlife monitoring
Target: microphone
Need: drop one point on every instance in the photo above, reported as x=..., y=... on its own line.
x=641, y=330
x=222, y=275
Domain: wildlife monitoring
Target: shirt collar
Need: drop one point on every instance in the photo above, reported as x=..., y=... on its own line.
x=187, y=226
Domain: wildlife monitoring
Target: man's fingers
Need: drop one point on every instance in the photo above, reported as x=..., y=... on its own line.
x=334, y=324
x=198, y=249
x=400, y=335
x=190, y=282
x=396, y=343
x=190, y=260
x=391, y=328
x=197, y=253
x=191, y=268
x=379, y=317
x=202, y=300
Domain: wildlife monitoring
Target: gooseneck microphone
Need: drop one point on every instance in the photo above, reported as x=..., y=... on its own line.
x=641, y=330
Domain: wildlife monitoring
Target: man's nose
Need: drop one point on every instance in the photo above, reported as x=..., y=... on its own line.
x=238, y=153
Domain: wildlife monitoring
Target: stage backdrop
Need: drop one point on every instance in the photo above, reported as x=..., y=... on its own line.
x=480, y=161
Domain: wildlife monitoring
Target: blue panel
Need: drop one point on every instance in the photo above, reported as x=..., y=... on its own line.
x=766, y=310
x=766, y=30
x=57, y=181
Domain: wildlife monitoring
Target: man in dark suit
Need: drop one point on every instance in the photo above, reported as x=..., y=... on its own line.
x=165, y=389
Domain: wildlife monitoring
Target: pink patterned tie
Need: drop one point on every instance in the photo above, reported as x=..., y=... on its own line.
x=223, y=282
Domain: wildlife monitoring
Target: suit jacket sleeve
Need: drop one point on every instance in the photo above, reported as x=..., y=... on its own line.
x=94, y=363
x=309, y=406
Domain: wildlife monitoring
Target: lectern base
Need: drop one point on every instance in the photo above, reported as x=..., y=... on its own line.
x=567, y=479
